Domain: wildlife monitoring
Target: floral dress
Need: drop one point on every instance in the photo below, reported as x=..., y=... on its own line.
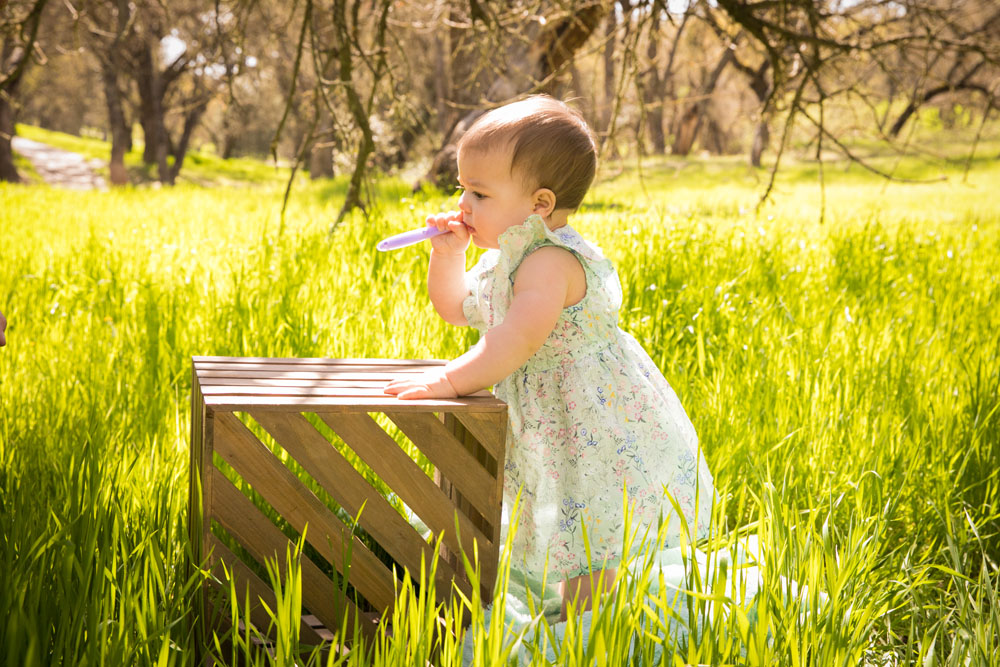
x=589, y=414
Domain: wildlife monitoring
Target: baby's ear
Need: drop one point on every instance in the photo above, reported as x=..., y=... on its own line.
x=544, y=201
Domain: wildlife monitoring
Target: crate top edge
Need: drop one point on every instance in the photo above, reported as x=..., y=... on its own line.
x=201, y=360
x=229, y=403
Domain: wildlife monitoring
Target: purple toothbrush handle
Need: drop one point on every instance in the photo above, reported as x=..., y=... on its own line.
x=409, y=238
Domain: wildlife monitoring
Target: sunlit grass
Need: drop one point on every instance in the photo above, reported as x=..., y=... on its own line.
x=843, y=376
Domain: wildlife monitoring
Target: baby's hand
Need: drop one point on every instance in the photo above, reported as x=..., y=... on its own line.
x=430, y=384
x=455, y=243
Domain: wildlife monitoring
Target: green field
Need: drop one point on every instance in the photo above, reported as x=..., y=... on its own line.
x=843, y=375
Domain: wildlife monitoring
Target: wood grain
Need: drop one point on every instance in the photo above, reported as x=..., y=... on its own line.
x=449, y=455
x=300, y=506
x=339, y=478
x=265, y=542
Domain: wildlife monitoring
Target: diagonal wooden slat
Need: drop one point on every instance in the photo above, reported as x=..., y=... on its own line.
x=489, y=429
x=449, y=456
x=326, y=465
x=363, y=435
x=298, y=505
x=247, y=582
x=261, y=538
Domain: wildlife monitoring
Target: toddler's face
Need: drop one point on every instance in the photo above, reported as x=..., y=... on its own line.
x=493, y=199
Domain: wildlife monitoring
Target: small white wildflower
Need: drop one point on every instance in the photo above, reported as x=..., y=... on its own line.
x=847, y=314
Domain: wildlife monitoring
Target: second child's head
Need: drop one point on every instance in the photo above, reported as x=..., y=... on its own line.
x=535, y=156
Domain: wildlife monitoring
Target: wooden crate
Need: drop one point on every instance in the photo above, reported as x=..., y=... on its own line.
x=462, y=438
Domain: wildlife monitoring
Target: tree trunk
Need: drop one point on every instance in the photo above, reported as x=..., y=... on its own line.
x=8, y=172
x=151, y=91
x=761, y=137
x=14, y=59
x=120, y=132
x=693, y=117
x=608, y=59
x=442, y=83
x=179, y=152
x=761, y=88
x=321, y=152
x=652, y=97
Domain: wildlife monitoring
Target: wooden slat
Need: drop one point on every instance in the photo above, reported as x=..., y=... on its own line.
x=449, y=455
x=206, y=376
x=264, y=541
x=238, y=403
x=247, y=581
x=306, y=361
x=333, y=393
x=328, y=467
x=294, y=382
x=363, y=435
x=289, y=365
x=489, y=429
x=298, y=505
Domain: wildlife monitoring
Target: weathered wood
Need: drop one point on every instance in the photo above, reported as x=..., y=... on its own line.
x=264, y=541
x=339, y=478
x=462, y=438
x=344, y=390
x=374, y=446
x=299, y=506
x=449, y=455
x=328, y=372
x=248, y=585
x=345, y=381
x=489, y=429
x=230, y=403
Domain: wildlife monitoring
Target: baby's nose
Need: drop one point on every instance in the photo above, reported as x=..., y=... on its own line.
x=463, y=202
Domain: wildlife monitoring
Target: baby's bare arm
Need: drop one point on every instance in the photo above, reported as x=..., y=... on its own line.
x=547, y=281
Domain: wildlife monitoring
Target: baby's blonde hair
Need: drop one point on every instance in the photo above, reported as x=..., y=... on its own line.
x=551, y=145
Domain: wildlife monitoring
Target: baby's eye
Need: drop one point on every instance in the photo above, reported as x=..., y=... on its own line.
x=477, y=195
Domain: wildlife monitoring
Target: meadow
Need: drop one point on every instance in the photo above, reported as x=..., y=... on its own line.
x=843, y=372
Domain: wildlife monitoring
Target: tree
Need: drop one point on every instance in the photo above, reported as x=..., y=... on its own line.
x=171, y=54
x=538, y=55
x=19, y=24
x=109, y=27
x=955, y=70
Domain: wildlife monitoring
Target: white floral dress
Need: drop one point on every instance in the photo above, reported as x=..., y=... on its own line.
x=589, y=413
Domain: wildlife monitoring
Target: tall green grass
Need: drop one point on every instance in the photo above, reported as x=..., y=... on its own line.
x=843, y=377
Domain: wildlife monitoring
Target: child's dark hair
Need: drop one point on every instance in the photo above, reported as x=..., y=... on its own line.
x=551, y=145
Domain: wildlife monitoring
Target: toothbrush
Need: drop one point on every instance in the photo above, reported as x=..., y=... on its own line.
x=409, y=238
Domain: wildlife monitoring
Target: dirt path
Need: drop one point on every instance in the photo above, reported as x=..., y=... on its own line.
x=61, y=168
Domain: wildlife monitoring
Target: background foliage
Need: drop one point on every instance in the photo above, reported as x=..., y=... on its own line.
x=843, y=376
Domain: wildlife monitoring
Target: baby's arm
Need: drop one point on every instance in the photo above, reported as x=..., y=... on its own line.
x=446, y=272
x=547, y=281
